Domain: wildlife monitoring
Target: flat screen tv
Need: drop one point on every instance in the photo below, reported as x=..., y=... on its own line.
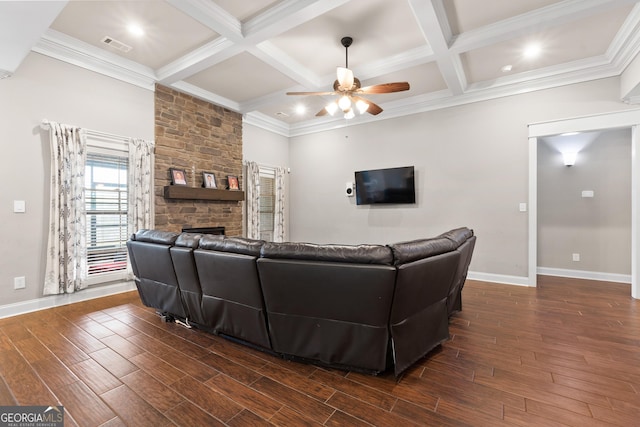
x=393, y=185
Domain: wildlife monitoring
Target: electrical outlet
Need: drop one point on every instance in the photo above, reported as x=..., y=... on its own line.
x=576, y=257
x=19, y=282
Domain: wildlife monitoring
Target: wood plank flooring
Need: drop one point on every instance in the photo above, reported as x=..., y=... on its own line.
x=565, y=353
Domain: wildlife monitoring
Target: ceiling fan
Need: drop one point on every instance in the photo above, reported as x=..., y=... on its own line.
x=348, y=89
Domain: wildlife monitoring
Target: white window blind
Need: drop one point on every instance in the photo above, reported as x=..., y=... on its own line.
x=267, y=203
x=106, y=210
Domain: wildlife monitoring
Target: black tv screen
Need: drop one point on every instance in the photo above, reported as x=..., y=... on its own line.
x=393, y=185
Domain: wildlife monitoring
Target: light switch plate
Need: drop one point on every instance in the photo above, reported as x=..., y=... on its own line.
x=19, y=206
x=19, y=282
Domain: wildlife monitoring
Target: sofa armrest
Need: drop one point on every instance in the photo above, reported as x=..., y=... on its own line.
x=405, y=252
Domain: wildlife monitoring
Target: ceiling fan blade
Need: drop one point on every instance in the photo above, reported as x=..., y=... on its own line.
x=385, y=88
x=321, y=113
x=374, y=108
x=311, y=93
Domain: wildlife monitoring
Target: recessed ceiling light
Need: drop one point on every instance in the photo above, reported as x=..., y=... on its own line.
x=532, y=51
x=300, y=109
x=506, y=68
x=135, y=29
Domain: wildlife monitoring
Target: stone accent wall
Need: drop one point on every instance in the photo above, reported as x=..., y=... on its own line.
x=196, y=136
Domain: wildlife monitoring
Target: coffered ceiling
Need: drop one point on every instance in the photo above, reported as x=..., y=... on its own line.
x=245, y=55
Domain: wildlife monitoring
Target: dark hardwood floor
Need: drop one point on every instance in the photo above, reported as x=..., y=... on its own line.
x=565, y=353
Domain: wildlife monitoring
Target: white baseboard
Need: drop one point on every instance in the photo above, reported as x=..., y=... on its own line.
x=498, y=278
x=51, y=301
x=589, y=275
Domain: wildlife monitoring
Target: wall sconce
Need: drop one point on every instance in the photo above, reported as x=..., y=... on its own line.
x=569, y=158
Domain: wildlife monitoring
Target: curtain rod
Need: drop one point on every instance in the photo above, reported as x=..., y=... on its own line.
x=46, y=125
x=268, y=166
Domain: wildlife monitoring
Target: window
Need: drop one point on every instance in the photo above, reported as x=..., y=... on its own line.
x=106, y=213
x=267, y=203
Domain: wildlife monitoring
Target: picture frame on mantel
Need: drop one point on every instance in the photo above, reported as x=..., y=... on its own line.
x=209, y=180
x=178, y=176
x=232, y=182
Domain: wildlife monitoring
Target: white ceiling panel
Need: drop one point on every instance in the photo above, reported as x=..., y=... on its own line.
x=169, y=33
x=578, y=40
x=228, y=79
x=466, y=15
x=379, y=28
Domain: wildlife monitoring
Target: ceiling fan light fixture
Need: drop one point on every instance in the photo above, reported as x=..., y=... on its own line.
x=349, y=114
x=362, y=106
x=344, y=103
x=345, y=78
x=331, y=108
x=348, y=90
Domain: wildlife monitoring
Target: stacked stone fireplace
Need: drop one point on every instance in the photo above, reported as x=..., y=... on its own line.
x=196, y=136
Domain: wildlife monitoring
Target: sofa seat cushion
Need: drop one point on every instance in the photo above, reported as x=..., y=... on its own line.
x=356, y=254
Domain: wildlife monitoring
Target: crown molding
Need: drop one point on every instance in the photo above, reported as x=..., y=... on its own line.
x=267, y=123
x=89, y=57
x=205, y=95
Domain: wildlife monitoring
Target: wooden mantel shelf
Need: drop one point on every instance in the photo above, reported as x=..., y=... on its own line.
x=197, y=193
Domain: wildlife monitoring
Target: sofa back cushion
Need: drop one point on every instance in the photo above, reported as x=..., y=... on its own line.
x=356, y=254
x=188, y=240
x=405, y=252
x=238, y=245
x=155, y=236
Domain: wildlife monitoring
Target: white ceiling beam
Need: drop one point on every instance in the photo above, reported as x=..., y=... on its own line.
x=21, y=26
x=199, y=59
x=268, y=53
x=276, y=20
x=212, y=16
x=432, y=20
x=400, y=61
x=285, y=16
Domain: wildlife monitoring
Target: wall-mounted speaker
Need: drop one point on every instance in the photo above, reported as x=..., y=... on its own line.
x=349, y=190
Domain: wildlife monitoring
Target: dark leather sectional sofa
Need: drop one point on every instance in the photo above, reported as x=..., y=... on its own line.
x=363, y=307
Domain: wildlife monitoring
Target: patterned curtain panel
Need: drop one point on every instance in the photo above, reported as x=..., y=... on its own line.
x=139, y=187
x=278, y=226
x=66, y=248
x=252, y=194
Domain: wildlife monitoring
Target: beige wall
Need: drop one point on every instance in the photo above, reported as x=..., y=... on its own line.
x=44, y=88
x=471, y=170
x=268, y=149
